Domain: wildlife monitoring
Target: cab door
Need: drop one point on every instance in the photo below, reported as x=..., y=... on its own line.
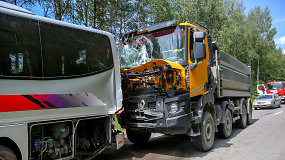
x=261, y=89
x=198, y=72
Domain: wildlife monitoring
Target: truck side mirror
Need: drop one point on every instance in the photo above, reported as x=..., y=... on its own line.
x=199, y=48
x=199, y=36
x=200, y=51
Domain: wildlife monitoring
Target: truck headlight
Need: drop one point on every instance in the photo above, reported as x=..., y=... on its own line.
x=173, y=107
x=182, y=105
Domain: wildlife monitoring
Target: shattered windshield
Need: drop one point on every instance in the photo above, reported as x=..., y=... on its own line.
x=167, y=44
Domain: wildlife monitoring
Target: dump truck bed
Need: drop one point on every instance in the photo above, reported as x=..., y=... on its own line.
x=233, y=77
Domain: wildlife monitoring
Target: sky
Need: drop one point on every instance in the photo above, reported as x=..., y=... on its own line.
x=277, y=14
x=276, y=11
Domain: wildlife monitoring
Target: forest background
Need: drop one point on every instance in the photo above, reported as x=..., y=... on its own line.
x=247, y=36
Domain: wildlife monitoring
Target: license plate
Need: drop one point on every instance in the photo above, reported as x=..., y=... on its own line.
x=120, y=140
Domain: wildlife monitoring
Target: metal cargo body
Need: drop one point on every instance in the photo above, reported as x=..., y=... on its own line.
x=232, y=76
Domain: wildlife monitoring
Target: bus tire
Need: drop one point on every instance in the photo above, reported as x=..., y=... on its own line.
x=241, y=123
x=225, y=129
x=6, y=153
x=138, y=137
x=205, y=141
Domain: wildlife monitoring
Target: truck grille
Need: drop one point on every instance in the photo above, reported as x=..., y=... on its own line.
x=134, y=106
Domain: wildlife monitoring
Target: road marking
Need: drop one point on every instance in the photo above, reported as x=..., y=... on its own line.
x=277, y=113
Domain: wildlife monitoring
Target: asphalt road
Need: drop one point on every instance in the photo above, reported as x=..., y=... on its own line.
x=262, y=140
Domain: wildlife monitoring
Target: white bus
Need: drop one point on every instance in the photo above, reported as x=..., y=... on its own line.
x=59, y=87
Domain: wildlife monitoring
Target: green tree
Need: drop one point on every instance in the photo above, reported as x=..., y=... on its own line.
x=261, y=39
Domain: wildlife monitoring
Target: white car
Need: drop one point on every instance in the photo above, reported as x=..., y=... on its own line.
x=267, y=101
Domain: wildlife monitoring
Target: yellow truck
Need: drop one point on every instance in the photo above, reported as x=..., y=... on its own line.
x=175, y=80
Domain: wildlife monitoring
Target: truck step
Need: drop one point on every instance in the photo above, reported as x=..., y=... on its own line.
x=236, y=118
x=237, y=108
x=196, y=120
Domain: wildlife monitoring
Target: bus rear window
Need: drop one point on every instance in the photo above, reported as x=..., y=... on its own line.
x=34, y=49
x=19, y=47
x=68, y=51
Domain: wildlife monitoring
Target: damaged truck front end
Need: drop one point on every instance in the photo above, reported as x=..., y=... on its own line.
x=154, y=82
x=156, y=99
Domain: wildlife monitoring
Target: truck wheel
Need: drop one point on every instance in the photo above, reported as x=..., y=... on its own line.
x=225, y=129
x=249, y=114
x=241, y=123
x=6, y=153
x=138, y=137
x=205, y=141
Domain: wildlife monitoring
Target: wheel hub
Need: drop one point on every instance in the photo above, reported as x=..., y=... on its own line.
x=228, y=126
x=208, y=130
x=244, y=115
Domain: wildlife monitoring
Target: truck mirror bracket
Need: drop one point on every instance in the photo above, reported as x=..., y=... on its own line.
x=193, y=66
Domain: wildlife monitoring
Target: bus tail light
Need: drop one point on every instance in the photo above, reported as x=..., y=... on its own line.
x=120, y=111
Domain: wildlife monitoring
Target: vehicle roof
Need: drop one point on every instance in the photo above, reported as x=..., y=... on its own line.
x=164, y=25
x=267, y=94
x=14, y=10
x=276, y=82
x=14, y=7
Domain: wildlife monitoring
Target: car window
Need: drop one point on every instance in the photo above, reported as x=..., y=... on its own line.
x=265, y=97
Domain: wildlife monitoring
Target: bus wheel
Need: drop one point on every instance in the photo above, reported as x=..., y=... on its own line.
x=138, y=137
x=6, y=153
x=241, y=123
x=205, y=141
x=225, y=129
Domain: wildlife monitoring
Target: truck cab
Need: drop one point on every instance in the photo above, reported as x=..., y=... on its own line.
x=261, y=89
x=277, y=87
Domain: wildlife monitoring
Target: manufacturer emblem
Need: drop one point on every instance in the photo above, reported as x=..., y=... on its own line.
x=142, y=104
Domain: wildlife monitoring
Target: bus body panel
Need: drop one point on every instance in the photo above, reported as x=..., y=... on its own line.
x=100, y=85
x=119, y=93
x=16, y=133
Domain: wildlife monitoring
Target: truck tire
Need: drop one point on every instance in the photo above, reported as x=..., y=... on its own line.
x=138, y=137
x=225, y=129
x=6, y=153
x=205, y=141
x=249, y=114
x=241, y=123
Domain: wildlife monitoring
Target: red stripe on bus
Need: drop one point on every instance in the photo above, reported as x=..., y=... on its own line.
x=10, y=103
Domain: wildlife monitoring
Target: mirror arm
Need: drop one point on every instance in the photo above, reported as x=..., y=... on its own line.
x=193, y=66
